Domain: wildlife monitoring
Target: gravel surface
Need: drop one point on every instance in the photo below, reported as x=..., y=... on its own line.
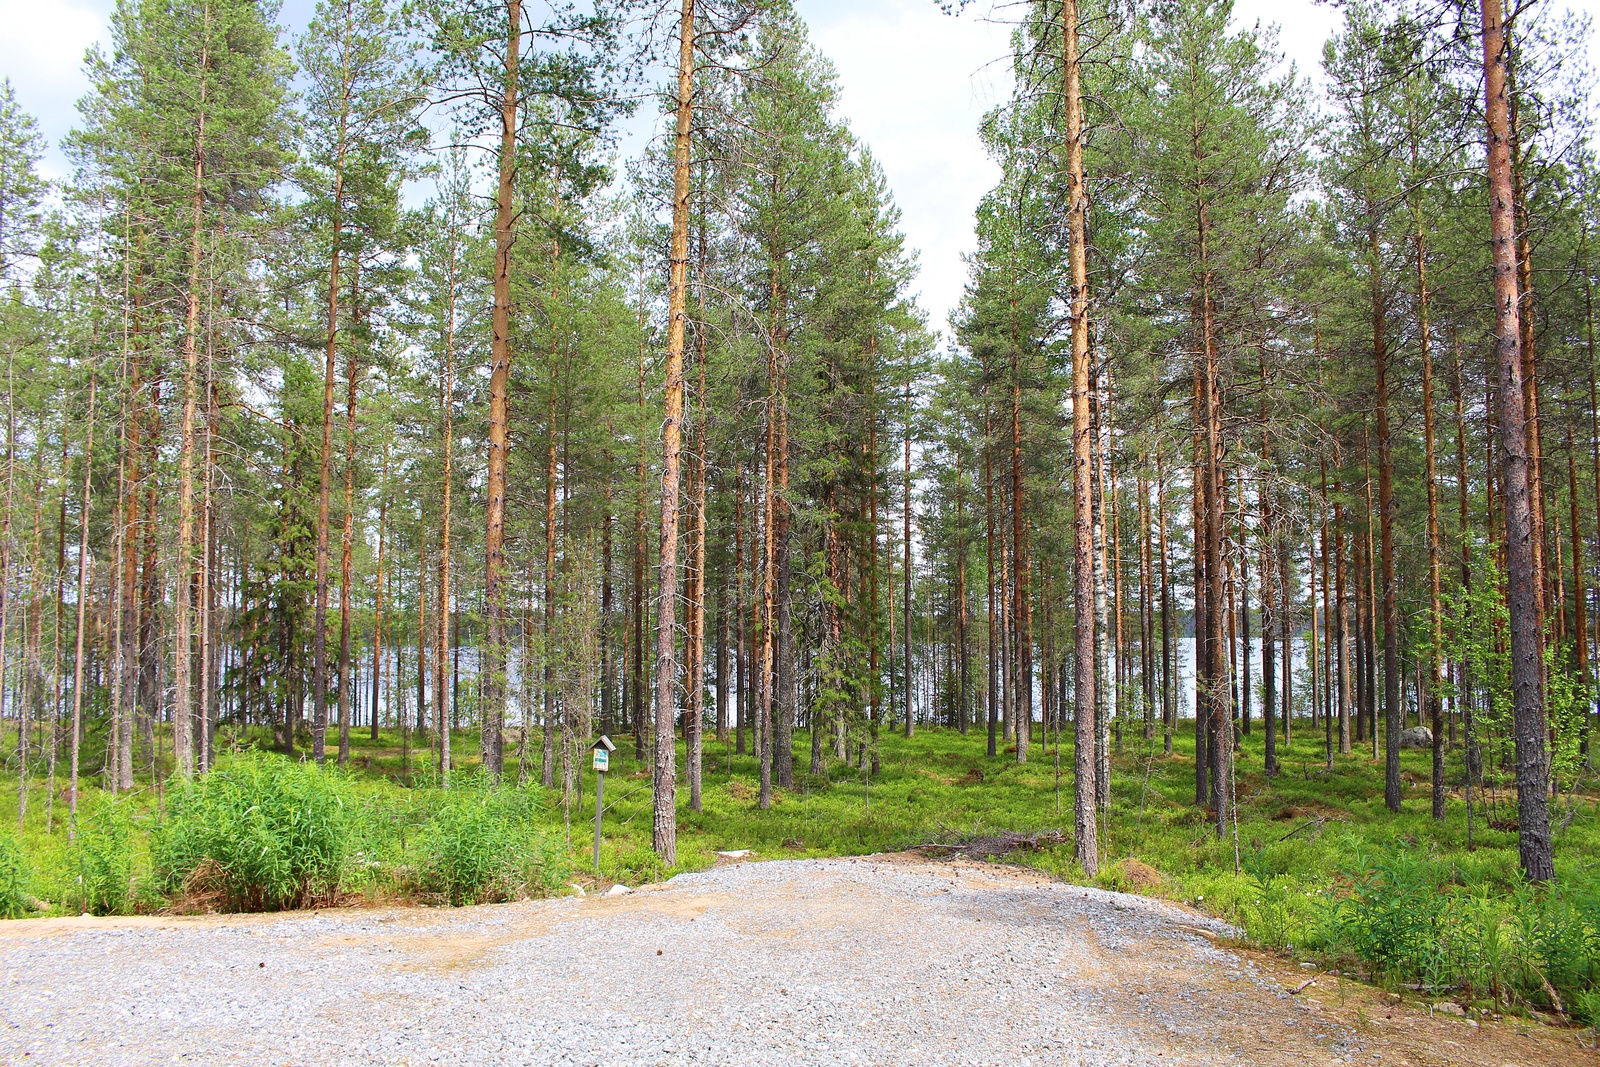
x=881, y=960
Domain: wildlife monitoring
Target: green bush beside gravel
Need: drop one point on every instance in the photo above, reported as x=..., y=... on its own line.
x=256, y=834
x=15, y=903
x=1323, y=870
x=483, y=844
x=99, y=864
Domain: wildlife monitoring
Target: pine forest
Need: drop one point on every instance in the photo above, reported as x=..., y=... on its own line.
x=387, y=420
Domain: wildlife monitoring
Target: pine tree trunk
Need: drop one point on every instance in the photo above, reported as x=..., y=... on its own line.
x=422, y=641
x=1085, y=828
x=547, y=756
x=1522, y=576
x=991, y=657
x=641, y=486
x=182, y=712
x=1007, y=652
x=871, y=563
x=783, y=724
x=741, y=656
x=5, y=580
x=1594, y=444
x=964, y=657
x=128, y=705
x=211, y=540
x=1333, y=685
x=1580, y=627
x=607, y=681
x=694, y=645
x=150, y=591
x=1146, y=613
x=1220, y=715
x=1435, y=672
x=1528, y=349
x=1169, y=703
x=116, y=591
x=1341, y=599
x=905, y=575
x=1244, y=696
x=1363, y=662
x=347, y=541
x=874, y=690
x=1269, y=617
x=1119, y=660
x=1023, y=674
x=665, y=777
x=442, y=702
x=1392, y=713
x=1232, y=583
x=319, y=647
x=494, y=650
x=1198, y=626
x=379, y=662
x=1103, y=696
x=1286, y=632
x=724, y=655
x=83, y=601
x=1463, y=520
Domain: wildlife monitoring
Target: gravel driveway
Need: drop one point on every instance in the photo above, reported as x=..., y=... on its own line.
x=880, y=960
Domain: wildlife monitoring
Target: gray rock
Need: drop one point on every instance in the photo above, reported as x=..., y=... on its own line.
x=1416, y=737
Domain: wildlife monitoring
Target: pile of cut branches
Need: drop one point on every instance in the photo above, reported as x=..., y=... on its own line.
x=991, y=846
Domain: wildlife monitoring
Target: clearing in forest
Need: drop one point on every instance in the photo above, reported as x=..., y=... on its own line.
x=891, y=959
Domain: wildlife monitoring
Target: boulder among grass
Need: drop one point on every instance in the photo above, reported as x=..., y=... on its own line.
x=1416, y=737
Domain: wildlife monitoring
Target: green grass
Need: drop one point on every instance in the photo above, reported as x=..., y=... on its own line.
x=1316, y=866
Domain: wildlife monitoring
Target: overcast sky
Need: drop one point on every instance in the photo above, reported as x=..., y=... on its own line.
x=915, y=82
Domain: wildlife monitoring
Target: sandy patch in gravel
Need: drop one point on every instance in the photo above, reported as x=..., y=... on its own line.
x=879, y=960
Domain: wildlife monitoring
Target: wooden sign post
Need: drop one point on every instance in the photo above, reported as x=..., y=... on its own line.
x=602, y=763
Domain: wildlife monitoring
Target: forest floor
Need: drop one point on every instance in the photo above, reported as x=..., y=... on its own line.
x=885, y=959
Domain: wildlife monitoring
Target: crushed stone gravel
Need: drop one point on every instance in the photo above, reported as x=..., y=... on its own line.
x=875, y=960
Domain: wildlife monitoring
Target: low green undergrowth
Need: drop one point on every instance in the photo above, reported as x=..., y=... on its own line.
x=484, y=843
x=1463, y=927
x=1415, y=918
x=99, y=864
x=15, y=903
x=1316, y=865
x=257, y=834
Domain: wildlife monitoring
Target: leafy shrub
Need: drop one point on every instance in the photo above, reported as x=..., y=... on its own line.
x=100, y=865
x=637, y=863
x=1415, y=919
x=15, y=903
x=482, y=844
x=257, y=834
x=383, y=823
x=1268, y=911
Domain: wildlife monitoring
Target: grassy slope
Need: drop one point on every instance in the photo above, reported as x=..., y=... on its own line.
x=940, y=784
x=1300, y=837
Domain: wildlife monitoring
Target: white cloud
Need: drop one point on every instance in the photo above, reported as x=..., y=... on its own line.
x=41, y=51
x=915, y=83
x=1302, y=28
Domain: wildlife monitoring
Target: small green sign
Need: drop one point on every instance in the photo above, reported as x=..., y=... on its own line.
x=602, y=760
